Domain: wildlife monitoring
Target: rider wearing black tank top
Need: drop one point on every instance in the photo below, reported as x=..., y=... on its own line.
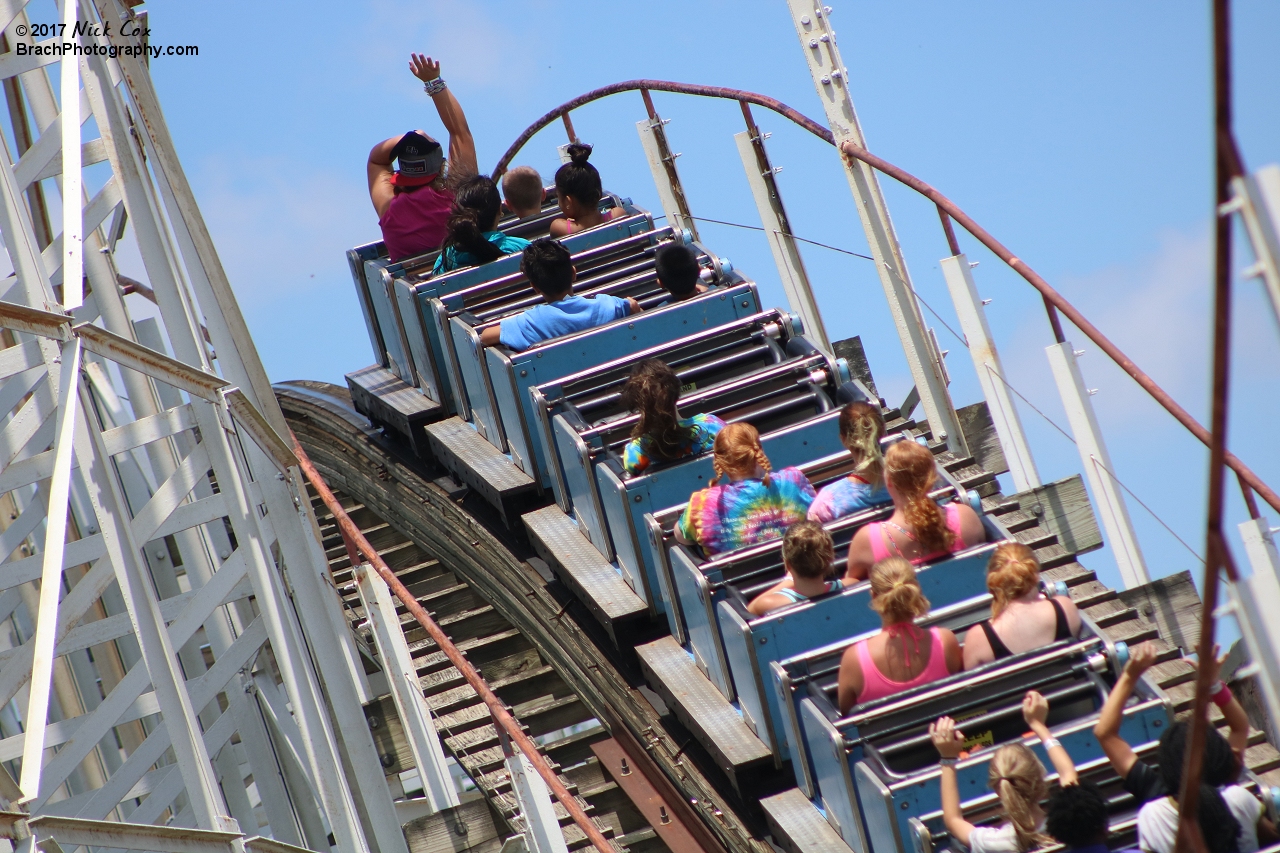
x=1000, y=650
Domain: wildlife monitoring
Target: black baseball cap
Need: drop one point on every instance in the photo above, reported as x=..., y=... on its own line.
x=420, y=159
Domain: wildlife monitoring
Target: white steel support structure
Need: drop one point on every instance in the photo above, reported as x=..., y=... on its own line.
x=1249, y=595
x=157, y=544
x=542, y=833
x=986, y=361
x=1257, y=197
x=662, y=163
x=406, y=692
x=1098, y=469
x=777, y=228
x=830, y=77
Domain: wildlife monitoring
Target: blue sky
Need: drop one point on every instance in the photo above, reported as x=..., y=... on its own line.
x=1078, y=134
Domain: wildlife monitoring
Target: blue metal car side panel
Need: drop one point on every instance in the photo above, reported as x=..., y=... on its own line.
x=513, y=376
x=831, y=774
x=795, y=630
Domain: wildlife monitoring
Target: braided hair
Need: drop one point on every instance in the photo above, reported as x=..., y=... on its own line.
x=738, y=452
x=476, y=208
x=911, y=470
x=652, y=390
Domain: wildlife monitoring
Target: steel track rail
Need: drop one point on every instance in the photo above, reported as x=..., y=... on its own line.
x=363, y=466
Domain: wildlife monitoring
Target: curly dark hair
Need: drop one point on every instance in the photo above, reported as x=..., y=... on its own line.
x=1077, y=815
x=652, y=390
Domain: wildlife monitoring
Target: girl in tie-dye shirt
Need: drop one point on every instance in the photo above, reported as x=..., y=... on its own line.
x=755, y=505
x=660, y=434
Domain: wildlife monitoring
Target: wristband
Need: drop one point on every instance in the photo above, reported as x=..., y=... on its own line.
x=435, y=87
x=1050, y=743
x=1220, y=694
x=947, y=762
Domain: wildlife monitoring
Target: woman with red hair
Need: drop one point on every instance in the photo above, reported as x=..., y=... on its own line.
x=755, y=505
x=1022, y=618
x=919, y=529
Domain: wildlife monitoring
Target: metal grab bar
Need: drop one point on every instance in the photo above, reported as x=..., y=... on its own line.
x=524, y=297
x=1074, y=691
x=357, y=544
x=727, y=355
x=775, y=371
x=901, y=701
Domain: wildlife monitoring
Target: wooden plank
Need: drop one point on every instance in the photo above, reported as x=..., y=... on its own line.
x=1172, y=605
x=850, y=349
x=980, y=435
x=466, y=829
x=1063, y=508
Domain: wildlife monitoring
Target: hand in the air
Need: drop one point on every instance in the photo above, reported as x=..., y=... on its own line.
x=424, y=67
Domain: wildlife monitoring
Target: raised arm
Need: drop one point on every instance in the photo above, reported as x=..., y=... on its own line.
x=1035, y=710
x=379, y=166
x=949, y=742
x=1232, y=710
x=462, y=147
x=1107, y=730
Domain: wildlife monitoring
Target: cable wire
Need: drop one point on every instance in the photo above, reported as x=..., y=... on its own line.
x=961, y=338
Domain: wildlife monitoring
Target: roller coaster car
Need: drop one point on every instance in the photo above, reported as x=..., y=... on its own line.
x=513, y=375
x=712, y=596
x=395, y=296
x=875, y=771
x=573, y=416
x=464, y=315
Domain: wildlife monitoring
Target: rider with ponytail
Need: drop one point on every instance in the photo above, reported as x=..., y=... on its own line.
x=756, y=504
x=661, y=434
x=578, y=191
x=1022, y=617
x=472, y=238
x=861, y=428
x=919, y=529
x=902, y=655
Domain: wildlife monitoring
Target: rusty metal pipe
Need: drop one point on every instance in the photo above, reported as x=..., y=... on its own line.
x=501, y=716
x=661, y=86
x=1056, y=300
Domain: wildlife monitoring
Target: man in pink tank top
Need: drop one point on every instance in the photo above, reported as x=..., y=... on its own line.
x=414, y=202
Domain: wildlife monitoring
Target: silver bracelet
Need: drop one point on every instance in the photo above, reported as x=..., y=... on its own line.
x=435, y=87
x=1051, y=743
x=947, y=762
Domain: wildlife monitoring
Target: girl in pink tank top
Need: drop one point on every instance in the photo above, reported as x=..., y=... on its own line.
x=913, y=656
x=883, y=544
x=919, y=529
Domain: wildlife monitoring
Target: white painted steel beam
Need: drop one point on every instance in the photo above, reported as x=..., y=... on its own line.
x=777, y=228
x=1253, y=596
x=830, y=77
x=542, y=828
x=406, y=692
x=1258, y=197
x=1098, y=470
x=51, y=576
x=662, y=163
x=986, y=361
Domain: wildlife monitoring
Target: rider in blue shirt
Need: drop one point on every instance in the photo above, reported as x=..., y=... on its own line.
x=549, y=268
